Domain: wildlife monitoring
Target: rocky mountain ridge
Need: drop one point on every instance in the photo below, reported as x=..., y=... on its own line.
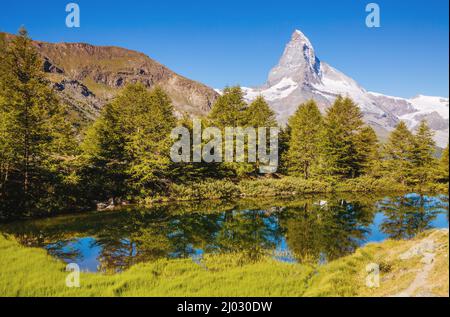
x=87, y=76
x=300, y=75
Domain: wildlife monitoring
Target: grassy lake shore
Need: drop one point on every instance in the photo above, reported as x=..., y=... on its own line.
x=286, y=186
x=417, y=267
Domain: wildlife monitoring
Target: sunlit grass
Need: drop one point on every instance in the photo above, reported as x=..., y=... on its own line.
x=31, y=272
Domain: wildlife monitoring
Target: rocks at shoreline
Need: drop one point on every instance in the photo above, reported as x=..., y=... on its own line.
x=111, y=204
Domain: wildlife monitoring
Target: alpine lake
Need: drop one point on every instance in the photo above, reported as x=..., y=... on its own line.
x=307, y=229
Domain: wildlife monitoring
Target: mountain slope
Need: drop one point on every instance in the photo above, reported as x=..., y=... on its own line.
x=300, y=76
x=88, y=76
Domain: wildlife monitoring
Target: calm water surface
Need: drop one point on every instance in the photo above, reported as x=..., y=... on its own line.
x=314, y=229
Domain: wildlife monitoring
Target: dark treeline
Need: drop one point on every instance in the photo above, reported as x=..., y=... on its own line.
x=46, y=166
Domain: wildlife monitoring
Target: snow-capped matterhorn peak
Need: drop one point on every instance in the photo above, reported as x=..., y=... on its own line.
x=300, y=76
x=299, y=62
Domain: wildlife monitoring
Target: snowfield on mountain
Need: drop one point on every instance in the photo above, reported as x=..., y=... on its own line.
x=300, y=75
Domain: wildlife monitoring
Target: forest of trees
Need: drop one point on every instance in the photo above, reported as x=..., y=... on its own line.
x=47, y=166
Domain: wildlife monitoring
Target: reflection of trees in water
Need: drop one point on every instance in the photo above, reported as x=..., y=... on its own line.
x=314, y=229
x=189, y=232
x=327, y=229
x=444, y=202
x=116, y=250
x=56, y=242
x=181, y=235
x=126, y=238
x=147, y=236
x=65, y=250
x=251, y=232
x=408, y=215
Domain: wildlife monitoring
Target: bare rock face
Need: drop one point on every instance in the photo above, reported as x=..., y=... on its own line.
x=87, y=77
x=50, y=68
x=83, y=102
x=298, y=62
x=105, y=70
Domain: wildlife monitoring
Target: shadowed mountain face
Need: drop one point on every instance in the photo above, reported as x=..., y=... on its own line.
x=87, y=77
x=300, y=75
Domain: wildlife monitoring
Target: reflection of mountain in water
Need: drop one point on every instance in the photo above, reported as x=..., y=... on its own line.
x=313, y=229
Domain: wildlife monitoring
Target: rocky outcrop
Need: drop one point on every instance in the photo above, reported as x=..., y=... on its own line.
x=80, y=99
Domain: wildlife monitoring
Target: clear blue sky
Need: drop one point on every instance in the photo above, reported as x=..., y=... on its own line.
x=237, y=42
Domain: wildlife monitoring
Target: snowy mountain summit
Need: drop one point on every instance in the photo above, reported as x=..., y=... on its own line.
x=299, y=62
x=300, y=76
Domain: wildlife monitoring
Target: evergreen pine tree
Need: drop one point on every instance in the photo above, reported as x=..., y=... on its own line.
x=104, y=158
x=424, y=145
x=444, y=165
x=369, y=152
x=424, y=160
x=283, y=149
x=149, y=141
x=259, y=114
x=7, y=142
x=229, y=109
x=129, y=144
x=343, y=123
x=305, y=127
x=34, y=139
x=399, y=153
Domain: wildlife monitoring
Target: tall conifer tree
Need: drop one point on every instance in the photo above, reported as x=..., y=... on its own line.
x=34, y=137
x=399, y=153
x=229, y=109
x=369, y=152
x=343, y=124
x=444, y=165
x=306, y=131
x=129, y=144
x=424, y=149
